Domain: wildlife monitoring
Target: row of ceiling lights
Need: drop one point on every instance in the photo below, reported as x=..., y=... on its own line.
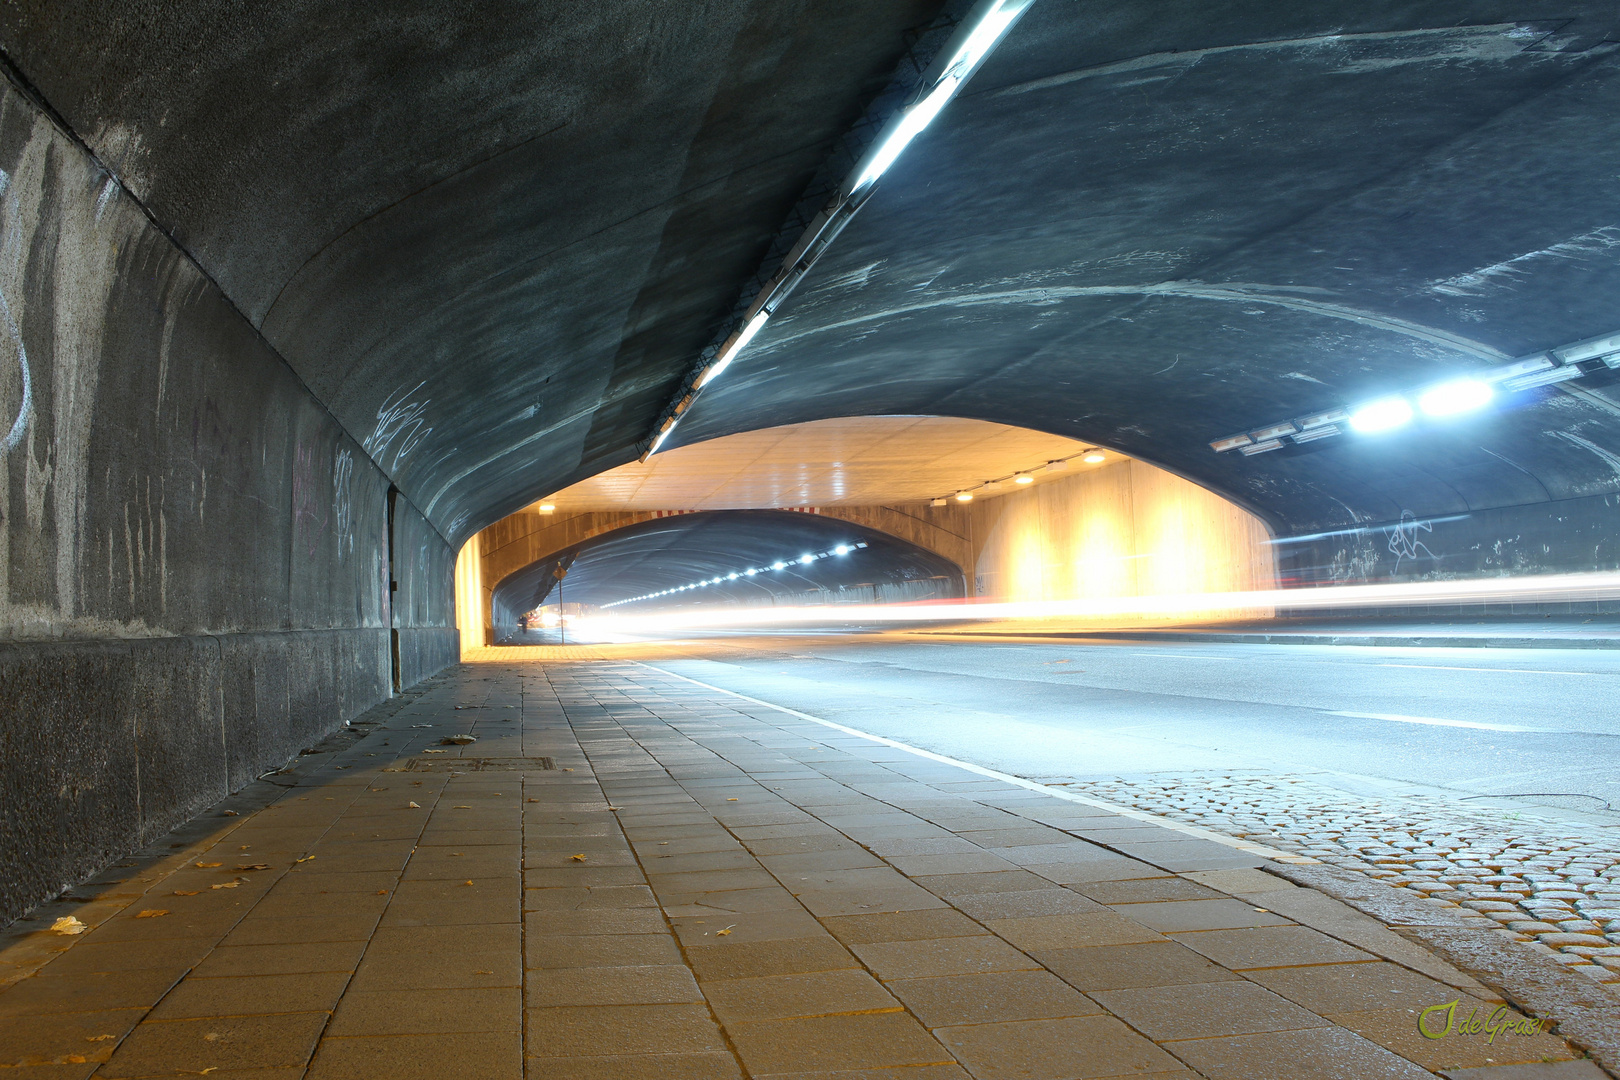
x=753, y=571
x=1454, y=397
x=1093, y=456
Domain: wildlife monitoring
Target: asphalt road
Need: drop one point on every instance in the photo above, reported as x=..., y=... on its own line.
x=1472, y=720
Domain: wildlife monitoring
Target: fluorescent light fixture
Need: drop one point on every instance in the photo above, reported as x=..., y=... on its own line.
x=1231, y=442
x=731, y=576
x=1261, y=447
x=980, y=40
x=779, y=565
x=663, y=433
x=547, y=508
x=714, y=581
x=750, y=572
x=938, y=502
x=912, y=121
x=1544, y=378
x=1275, y=431
x=964, y=496
x=1385, y=414
x=1606, y=348
x=733, y=347
x=1057, y=466
x=841, y=549
x=1457, y=396
x=1023, y=478
x=1095, y=456
x=807, y=559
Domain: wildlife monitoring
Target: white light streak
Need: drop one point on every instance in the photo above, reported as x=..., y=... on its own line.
x=1386, y=414
x=1548, y=588
x=737, y=345
x=1458, y=396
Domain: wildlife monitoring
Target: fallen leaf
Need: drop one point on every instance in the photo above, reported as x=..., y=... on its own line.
x=461, y=808
x=483, y=973
x=382, y=892
x=433, y=751
x=151, y=913
x=531, y=800
x=455, y=853
x=253, y=866
x=458, y=740
x=731, y=800
x=67, y=924
x=99, y=1038
x=211, y=1068
x=568, y=770
x=306, y=858
x=207, y=865
x=577, y=858
x=412, y=806
x=74, y=1059
x=663, y=843
x=614, y=808
x=186, y=892
x=231, y=813
x=226, y=885
x=723, y=933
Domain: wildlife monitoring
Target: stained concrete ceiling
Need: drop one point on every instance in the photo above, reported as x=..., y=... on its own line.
x=493, y=238
x=668, y=552
x=849, y=461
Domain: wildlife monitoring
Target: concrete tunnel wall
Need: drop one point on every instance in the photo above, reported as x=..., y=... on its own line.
x=195, y=581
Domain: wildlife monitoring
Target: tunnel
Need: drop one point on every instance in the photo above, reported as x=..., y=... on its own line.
x=1020, y=519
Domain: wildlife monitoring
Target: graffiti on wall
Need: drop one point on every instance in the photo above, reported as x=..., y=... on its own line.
x=10, y=273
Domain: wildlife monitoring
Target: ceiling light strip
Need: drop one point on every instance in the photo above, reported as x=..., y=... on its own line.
x=1092, y=455
x=1454, y=397
x=753, y=571
x=977, y=35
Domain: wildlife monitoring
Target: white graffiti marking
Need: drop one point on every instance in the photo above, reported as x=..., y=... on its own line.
x=399, y=424
x=342, y=509
x=11, y=253
x=1403, y=539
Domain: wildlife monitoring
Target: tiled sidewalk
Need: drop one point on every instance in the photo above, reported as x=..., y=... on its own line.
x=631, y=876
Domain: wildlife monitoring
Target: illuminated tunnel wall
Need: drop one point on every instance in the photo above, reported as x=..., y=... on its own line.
x=1126, y=529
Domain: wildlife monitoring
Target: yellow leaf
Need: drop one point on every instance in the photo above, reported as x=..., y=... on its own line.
x=74, y=1059
x=577, y=858
x=226, y=885
x=723, y=933
x=68, y=924
x=467, y=882
x=207, y=865
x=151, y=913
x=99, y=1038
x=306, y=858
x=186, y=892
x=731, y=800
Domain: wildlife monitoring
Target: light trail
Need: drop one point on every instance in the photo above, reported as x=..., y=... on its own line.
x=1187, y=607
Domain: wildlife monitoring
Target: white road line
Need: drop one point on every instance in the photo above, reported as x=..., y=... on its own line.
x=1196, y=831
x=1435, y=721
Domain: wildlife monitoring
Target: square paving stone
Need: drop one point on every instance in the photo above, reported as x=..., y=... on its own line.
x=712, y=1066
x=428, y=1012
x=253, y=930
x=1052, y=900
x=1270, y=947
x=485, y=1055
x=290, y=959
x=249, y=995
x=920, y=925
x=828, y=1043
x=1326, y=1053
x=1113, y=868
x=609, y=921
x=604, y=898
x=952, y=885
x=746, y=926
x=1062, y=1049
x=981, y=862
x=39, y=1041
x=1396, y=1030
x=91, y=956
x=1144, y=890
x=594, y=1031
x=992, y=997
x=1205, y=1010
x=439, y=970
x=907, y=897
x=1072, y=931
x=945, y=956
x=46, y=994
x=778, y=997
x=1334, y=988
x=748, y=959
x=1114, y=967
x=643, y=985
x=217, y=1043
x=1222, y=914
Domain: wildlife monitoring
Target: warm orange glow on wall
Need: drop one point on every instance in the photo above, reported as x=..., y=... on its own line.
x=1126, y=529
x=470, y=601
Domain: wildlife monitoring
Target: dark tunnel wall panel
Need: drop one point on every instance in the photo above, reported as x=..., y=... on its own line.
x=194, y=578
x=424, y=605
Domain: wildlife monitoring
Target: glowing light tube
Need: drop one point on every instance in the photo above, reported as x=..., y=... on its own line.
x=1549, y=588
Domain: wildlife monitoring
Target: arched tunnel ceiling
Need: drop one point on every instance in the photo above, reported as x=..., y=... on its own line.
x=672, y=551
x=493, y=238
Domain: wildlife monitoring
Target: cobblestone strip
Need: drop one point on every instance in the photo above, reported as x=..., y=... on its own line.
x=1553, y=884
